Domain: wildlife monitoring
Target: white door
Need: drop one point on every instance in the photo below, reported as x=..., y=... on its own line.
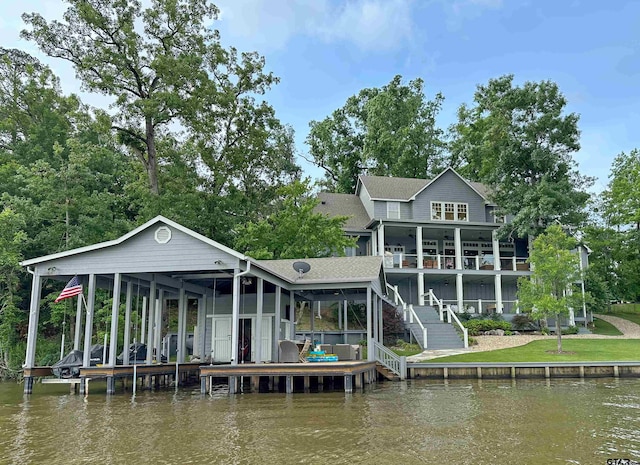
x=221, y=339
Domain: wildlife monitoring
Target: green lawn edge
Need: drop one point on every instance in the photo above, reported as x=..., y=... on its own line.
x=583, y=350
x=604, y=328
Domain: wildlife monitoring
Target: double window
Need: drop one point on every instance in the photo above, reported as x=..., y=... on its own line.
x=449, y=211
x=393, y=210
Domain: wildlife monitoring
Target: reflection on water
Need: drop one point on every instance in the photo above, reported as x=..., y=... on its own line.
x=418, y=421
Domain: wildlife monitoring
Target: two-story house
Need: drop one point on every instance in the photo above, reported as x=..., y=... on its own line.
x=437, y=235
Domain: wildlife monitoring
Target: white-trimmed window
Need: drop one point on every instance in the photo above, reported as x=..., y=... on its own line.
x=449, y=211
x=393, y=210
x=499, y=218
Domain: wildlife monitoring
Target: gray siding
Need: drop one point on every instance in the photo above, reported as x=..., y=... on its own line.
x=451, y=188
x=142, y=253
x=367, y=203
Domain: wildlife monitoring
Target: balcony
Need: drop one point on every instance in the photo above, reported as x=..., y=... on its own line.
x=447, y=262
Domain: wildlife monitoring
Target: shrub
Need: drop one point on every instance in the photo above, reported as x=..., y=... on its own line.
x=476, y=326
x=522, y=321
x=570, y=330
x=473, y=341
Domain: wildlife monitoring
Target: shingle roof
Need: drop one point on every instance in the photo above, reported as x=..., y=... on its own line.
x=383, y=187
x=344, y=205
x=391, y=188
x=327, y=270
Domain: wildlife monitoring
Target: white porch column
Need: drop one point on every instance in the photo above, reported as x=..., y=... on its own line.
x=496, y=252
x=150, y=313
x=292, y=315
x=78, y=329
x=381, y=240
x=115, y=313
x=34, y=317
x=127, y=322
x=459, y=291
x=181, y=343
x=381, y=321
x=202, y=327
x=259, y=309
x=157, y=328
x=235, y=316
x=498, y=284
x=143, y=320
x=374, y=243
x=275, y=353
x=458, y=248
x=345, y=315
x=420, y=289
x=88, y=325
x=419, y=247
x=376, y=333
x=370, y=351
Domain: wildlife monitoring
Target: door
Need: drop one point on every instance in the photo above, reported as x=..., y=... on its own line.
x=221, y=339
x=267, y=331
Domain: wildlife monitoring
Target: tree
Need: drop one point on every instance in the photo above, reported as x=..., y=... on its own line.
x=622, y=196
x=173, y=70
x=294, y=230
x=388, y=131
x=519, y=142
x=547, y=292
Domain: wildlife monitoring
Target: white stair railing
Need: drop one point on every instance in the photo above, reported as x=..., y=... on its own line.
x=414, y=318
x=394, y=362
x=450, y=315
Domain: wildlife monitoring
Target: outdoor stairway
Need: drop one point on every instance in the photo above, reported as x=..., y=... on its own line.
x=440, y=335
x=386, y=373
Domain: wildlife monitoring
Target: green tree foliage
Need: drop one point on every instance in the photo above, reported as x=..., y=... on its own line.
x=12, y=236
x=388, y=131
x=554, y=270
x=294, y=230
x=519, y=141
x=622, y=196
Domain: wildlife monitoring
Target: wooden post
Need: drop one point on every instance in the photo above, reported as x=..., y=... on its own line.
x=181, y=342
x=235, y=317
x=275, y=355
x=348, y=384
x=78, y=329
x=370, y=351
x=127, y=323
x=157, y=330
x=259, y=309
x=289, y=384
x=34, y=316
x=150, y=313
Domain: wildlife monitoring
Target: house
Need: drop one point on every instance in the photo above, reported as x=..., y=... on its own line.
x=241, y=306
x=437, y=239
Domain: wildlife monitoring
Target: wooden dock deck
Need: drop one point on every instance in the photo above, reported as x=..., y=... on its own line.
x=356, y=373
x=352, y=374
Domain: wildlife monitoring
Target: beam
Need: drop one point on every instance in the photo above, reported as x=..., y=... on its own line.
x=88, y=326
x=115, y=313
x=259, y=309
x=34, y=316
x=127, y=323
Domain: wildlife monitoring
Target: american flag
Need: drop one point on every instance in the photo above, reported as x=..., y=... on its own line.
x=72, y=288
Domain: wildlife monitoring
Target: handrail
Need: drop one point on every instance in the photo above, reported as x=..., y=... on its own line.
x=397, y=298
x=395, y=363
x=433, y=297
x=413, y=316
x=465, y=332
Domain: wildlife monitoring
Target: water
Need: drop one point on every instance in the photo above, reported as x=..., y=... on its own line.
x=413, y=422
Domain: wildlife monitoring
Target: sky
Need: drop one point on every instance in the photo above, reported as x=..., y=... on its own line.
x=325, y=51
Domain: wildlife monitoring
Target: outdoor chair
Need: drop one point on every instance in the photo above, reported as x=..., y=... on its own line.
x=304, y=351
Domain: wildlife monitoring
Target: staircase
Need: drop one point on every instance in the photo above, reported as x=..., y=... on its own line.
x=386, y=373
x=440, y=335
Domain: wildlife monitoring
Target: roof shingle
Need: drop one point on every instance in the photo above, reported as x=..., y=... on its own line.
x=327, y=270
x=344, y=205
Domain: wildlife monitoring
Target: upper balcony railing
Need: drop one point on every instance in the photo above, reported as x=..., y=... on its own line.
x=448, y=262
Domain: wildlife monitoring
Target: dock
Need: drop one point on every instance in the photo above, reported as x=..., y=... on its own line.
x=270, y=376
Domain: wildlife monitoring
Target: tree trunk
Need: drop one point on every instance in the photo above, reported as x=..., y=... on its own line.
x=152, y=165
x=559, y=333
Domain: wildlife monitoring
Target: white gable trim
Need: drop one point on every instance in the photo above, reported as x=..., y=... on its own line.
x=130, y=234
x=454, y=172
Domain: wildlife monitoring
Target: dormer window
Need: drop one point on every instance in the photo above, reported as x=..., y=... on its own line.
x=449, y=211
x=393, y=210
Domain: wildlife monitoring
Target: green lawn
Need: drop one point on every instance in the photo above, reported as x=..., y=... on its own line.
x=604, y=328
x=586, y=350
x=626, y=308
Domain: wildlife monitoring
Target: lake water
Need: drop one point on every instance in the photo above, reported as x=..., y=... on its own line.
x=413, y=422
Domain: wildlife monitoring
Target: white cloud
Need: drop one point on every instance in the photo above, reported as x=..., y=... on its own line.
x=270, y=24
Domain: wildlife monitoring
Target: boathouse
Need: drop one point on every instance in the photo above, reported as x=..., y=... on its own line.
x=244, y=306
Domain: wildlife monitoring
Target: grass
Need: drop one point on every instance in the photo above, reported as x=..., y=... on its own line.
x=625, y=308
x=583, y=350
x=604, y=327
x=633, y=317
x=406, y=349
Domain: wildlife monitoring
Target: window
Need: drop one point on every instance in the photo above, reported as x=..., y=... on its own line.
x=393, y=210
x=449, y=211
x=499, y=218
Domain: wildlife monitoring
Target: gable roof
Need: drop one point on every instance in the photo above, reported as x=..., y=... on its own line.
x=130, y=234
x=344, y=205
x=389, y=188
x=407, y=189
x=326, y=270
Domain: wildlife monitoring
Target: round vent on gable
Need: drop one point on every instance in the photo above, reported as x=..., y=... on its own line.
x=163, y=235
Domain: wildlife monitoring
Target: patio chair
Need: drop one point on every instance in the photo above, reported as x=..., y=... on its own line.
x=304, y=351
